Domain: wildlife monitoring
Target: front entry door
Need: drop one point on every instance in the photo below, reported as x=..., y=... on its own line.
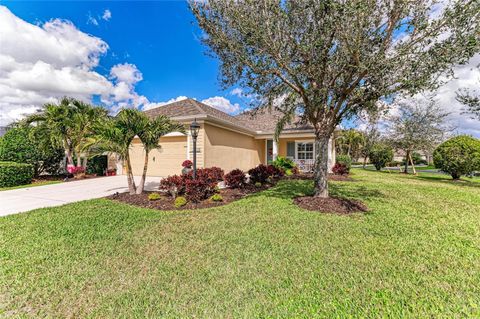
x=269, y=151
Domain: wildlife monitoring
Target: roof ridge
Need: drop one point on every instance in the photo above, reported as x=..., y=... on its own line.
x=196, y=104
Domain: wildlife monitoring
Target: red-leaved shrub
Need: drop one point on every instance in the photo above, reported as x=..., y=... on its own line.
x=259, y=174
x=340, y=169
x=235, y=179
x=195, y=189
x=174, y=185
x=274, y=171
x=217, y=173
x=187, y=164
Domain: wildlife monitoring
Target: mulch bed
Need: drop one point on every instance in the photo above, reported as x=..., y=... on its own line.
x=166, y=202
x=337, y=205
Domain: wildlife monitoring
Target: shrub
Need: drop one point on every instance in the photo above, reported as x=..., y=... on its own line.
x=340, y=169
x=187, y=164
x=195, y=190
x=97, y=165
x=216, y=198
x=174, y=185
x=380, y=155
x=258, y=174
x=258, y=184
x=235, y=179
x=216, y=173
x=458, y=156
x=180, y=201
x=345, y=160
x=284, y=163
x=22, y=145
x=153, y=196
x=274, y=171
x=14, y=174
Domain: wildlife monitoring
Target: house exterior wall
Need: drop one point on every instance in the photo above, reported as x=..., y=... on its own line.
x=167, y=160
x=229, y=150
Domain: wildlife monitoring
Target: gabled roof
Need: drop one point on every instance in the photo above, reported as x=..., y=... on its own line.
x=262, y=121
x=190, y=108
x=265, y=121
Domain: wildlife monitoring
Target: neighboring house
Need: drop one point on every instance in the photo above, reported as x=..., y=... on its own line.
x=225, y=141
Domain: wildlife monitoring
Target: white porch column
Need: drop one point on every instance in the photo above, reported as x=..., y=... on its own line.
x=331, y=155
x=274, y=150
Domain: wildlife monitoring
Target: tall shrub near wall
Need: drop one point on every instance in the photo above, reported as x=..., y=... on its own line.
x=14, y=174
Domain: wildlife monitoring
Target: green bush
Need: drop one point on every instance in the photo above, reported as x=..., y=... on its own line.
x=458, y=156
x=25, y=145
x=97, y=165
x=153, y=196
x=258, y=184
x=417, y=159
x=216, y=198
x=380, y=155
x=180, y=201
x=344, y=160
x=284, y=163
x=14, y=174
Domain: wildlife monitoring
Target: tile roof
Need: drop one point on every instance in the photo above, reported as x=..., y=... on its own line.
x=260, y=121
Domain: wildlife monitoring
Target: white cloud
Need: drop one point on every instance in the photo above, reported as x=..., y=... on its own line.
x=237, y=92
x=222, y=104
x=149, y=106
x=107, y=15
x=92, y=20
x=42, y=63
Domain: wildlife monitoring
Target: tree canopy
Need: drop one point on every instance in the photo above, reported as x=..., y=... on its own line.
x=328, y=60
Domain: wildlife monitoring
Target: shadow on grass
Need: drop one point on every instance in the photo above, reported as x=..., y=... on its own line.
x=449, y=181
x=295, y=188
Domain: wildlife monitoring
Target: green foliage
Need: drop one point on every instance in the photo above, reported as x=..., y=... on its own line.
x=380, y=155
x=284, y=163
x=216, y=198
x=180, y=201
x=345, y=160
x=417, y=159
x=288, y=172
x=154, y=196
x=23, y=144
x=97, y=165
x=458, y=156
x=14, y=174
x=258, y=184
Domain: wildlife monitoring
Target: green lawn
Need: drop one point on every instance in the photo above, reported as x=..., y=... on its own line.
x=416, y=254
x=34, y=184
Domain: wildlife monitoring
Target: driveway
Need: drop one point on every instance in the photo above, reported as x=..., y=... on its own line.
x=25, y=199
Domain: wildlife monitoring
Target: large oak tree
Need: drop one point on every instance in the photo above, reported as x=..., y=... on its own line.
x=327, y=60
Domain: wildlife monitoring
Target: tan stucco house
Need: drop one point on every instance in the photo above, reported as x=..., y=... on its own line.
x=242, y=141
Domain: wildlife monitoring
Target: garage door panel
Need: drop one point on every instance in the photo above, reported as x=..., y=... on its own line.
x=167, y=160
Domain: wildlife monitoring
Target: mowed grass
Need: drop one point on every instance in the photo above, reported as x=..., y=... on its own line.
x=415, y=254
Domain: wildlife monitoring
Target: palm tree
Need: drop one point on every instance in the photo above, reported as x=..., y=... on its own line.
x=350, y=142
x=115, y=135
x=55, y=123
x=150, y=136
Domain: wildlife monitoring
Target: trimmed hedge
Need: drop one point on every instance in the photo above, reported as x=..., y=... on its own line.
x=458, y=156
x=14, y=174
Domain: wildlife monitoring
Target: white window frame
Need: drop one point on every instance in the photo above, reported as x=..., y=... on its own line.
x=305, y=142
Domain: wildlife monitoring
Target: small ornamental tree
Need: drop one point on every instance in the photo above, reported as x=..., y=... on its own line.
x=458, y=156
x=380, y=155
x=326, y=60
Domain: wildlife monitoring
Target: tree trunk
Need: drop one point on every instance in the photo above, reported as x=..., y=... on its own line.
x=85, y=160
x=364, y=161
x=141, y=185
x=321, y=166
x=407, y=156
x=130, y=179
x=413, y=165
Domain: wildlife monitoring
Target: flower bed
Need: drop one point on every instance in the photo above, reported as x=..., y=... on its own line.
x=166, y=202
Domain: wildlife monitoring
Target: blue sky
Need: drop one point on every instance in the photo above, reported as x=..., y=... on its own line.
x=129, y=54
x=159, y=37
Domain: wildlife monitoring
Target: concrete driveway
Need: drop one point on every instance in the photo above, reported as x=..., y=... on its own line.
x=25, y=199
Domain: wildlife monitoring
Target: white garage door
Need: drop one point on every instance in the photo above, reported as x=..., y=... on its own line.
x=167, y=160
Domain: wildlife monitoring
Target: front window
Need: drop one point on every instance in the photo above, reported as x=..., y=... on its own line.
x=305, y=150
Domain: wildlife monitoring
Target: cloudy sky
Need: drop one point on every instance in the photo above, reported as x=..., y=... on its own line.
x=122, y=55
